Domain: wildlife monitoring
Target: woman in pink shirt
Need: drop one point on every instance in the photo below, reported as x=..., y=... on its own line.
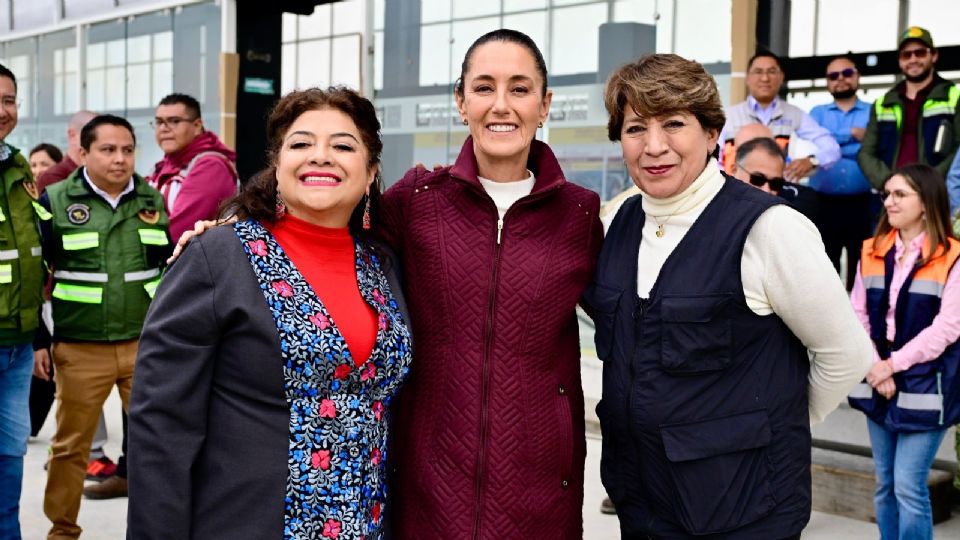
x=907, y=295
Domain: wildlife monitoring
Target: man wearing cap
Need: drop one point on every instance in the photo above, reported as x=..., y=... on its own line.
x=917, y=121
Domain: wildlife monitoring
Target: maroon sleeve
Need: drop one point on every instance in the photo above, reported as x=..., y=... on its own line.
x=394, y=206
x=210, y=182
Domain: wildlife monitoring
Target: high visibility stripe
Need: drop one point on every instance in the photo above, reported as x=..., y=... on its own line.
x=151, y=287
x=873, y=282
x=920, y=402
x=41, y=211
x=926, y=286
x=87, y=240
x=153, y=237
x=861, y=391
x=91, y=277
x=36, y=251
x=9, y=254
x=941, y=109
x=78, y=293
x=3, y=216
x=140, y=276
x=6, y=273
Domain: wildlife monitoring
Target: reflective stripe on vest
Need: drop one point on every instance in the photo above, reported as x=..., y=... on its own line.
x=36, y=251
x=9, y=254
x=153, y=237
x=920, y=402
x=6, y=273
x=90, y=277
x=937, y=107
x=861, y=391
x=87, y=240
x=873, y=282
x=888, y=114
x=142, y=275
x=78, y=293
x=151, y=287
x=41, y=212
x=3, y=217
x=927, y=286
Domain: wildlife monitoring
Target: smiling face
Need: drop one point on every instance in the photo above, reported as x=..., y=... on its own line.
x=665, y=155
x=503, y=103
x=764, y=79
x=916, y=60
x=842, y=87
x=322, y=168
x=175, y=127
x=40, y=161
x=109, y=161
x=8, y=107
x=903, y=205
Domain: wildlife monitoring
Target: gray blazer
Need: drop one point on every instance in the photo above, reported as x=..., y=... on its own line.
x=209, y=421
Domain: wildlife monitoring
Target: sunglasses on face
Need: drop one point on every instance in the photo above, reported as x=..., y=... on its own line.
x=920, y=53
x=845, y=73
x=757, y=179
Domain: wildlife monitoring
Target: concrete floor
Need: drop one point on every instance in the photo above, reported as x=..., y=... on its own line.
x=106, y=520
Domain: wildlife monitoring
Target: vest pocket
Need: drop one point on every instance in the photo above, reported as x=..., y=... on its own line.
x=603, y=301
x=696, y=336
x=721, y=471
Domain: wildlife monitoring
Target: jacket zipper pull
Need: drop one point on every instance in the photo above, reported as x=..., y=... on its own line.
x=499, y=230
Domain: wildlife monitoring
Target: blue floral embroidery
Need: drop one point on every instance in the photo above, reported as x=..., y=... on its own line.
x=339, y=413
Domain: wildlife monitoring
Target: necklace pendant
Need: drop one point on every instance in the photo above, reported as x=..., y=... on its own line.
x=660, y=232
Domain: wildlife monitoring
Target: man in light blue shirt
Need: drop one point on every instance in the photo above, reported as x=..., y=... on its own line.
x=953, y=186
x=845, y=198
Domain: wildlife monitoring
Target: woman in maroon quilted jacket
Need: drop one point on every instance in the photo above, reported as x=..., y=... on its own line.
x=496, y=250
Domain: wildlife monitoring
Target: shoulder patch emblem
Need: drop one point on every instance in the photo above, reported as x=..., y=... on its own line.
x=150, y=217
x=78, y=213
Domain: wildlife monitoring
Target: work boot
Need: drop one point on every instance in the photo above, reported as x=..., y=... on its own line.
x=607, y=507
x=111, y=488
x=100, y=469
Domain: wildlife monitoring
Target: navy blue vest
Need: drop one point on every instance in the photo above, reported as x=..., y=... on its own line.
x=704, y=411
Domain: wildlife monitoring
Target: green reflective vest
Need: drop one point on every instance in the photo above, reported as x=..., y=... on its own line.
x=21, y=264
x=106, y=263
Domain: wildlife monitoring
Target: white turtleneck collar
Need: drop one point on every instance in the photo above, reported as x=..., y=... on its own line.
x=697, y=194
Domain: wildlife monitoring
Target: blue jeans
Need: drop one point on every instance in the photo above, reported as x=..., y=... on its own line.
x=16, y=365
x=902, y=500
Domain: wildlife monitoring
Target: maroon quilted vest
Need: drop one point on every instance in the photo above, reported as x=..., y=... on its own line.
x=489, y=441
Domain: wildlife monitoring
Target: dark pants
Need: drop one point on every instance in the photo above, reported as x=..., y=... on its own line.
x=41, y=398
x=844, y=222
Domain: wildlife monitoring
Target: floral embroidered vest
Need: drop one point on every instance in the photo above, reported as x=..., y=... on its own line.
x=339, y=414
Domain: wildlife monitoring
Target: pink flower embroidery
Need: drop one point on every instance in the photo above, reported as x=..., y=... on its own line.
x=331, y=529
x=258, y=247
x=378, y=296
x=328, y=409
x=283, y=288
x=342, y=371
x=320, y=320
x=375, y=456
x=382, y=322
x=321, y=459
x=369, y=371
x=377, y=410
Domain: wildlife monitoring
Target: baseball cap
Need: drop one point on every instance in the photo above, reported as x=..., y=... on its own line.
x=915, y=32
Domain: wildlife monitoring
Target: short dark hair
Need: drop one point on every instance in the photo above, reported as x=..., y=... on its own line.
x=190, y=102
x=846, y=57
x=764, y=54
x=55, y=154
x=509, y=36
x=89, y=132
x=5, y=72
x=764, y=144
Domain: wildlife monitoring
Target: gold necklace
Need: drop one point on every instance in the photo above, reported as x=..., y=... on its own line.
x=660, y=224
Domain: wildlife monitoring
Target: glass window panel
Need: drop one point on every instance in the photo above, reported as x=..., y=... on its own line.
x=138, y=49
x=692, y=42
x=834, y=20
x=4, y=17
x=379, y=8
x=533, y=24
x=163, y=45
x=288, y=27
x=80, y=8
x=33, y=13
x=138, y=86
x=434, y=10
x=472, y=8
x=435, y=55
x=577, y=51
x=162, y=80
x=940, y=17
x=568, y=2
x=464, y=34
x=70, y=58
x=70, y=98
x=288, y=68
x=378, y=60
x=116, y=52
x=95, y=55
x=518, y=5
x=58, y=61
x=347, y=17
x=641, y=11
x=96, y=90
x=316, y=25
x=346, y=62
x=802, y=27
x=313, y=64
x=115, y=83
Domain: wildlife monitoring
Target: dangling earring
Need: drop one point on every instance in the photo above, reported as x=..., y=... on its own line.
x=281, y=208
x=540, y=125
x=366, y=213
x=465, y=121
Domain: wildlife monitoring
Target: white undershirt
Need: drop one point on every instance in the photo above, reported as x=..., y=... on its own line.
x=114, y=202
x=505, y=194
x=785, y=271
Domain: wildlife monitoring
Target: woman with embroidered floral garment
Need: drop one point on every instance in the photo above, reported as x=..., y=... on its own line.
x=907, y=296
x=274, y=347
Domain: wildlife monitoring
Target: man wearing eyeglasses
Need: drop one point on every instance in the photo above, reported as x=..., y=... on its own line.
x=763, y=106
x=21, y=286
x=917, y=121
x=197, y=171
x=844, y=191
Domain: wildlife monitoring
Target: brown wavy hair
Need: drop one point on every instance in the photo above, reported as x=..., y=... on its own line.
x=658, y=85
x=258, y=198
x=930, y=187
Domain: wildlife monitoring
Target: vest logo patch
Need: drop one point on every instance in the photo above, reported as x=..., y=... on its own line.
x=31, y=189
x=78, y=213
x=150, y=217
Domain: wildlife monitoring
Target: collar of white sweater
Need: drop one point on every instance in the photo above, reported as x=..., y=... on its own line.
x=689, y=201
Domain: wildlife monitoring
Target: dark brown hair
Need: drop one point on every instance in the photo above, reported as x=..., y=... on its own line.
x=930, y=187
x=258, y=199
x=505, y=35
x=662, y=84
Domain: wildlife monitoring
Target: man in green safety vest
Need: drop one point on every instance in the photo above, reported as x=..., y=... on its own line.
x=918, y=121
x=105, y=243
x=21, y=294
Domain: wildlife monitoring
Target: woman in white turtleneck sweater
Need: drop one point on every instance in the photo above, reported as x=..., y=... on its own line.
x=731, y=337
